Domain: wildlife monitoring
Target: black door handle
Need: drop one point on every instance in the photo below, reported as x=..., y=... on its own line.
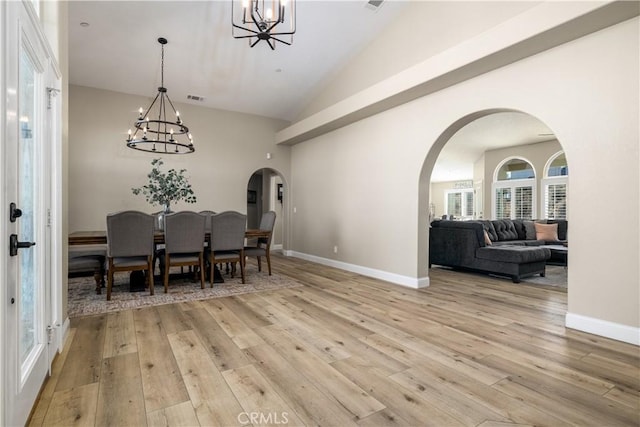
x=14, y=212
x=14, y=245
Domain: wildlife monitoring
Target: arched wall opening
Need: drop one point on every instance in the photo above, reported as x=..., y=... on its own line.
x=266, y=191
x=482, y=182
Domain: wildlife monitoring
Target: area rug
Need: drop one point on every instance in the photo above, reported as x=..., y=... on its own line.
x=555, y=275
x=83, y=300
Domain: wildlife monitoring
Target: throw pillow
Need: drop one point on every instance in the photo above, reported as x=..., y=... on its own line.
x=487, y=240
x=529, y=230
x=548, y=232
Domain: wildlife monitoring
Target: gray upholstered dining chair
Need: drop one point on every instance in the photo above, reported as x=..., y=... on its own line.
x=208, y=215
x=184, y=236
x=227, y=240
x=129, y=245
x=263, y=245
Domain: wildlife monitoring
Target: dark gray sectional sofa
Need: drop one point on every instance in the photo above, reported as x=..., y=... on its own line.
x=514, y=250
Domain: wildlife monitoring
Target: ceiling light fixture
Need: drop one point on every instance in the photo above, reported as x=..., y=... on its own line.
x=157, y=134
x=269, y=20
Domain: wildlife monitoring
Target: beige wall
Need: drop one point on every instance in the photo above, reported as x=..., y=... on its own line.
x=423, y=29
x=536, y=154
x=363, y=187
x=230, y=147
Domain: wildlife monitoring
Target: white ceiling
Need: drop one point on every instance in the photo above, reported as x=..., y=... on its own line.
x=499, y=130
x=119, y=51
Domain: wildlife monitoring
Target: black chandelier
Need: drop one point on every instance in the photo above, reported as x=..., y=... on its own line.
x=269, y=20
x=154, y=133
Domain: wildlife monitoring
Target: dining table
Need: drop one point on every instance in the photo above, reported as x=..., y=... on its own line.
x=99, y=237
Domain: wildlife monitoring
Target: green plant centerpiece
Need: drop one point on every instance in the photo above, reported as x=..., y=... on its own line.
x=163, y=188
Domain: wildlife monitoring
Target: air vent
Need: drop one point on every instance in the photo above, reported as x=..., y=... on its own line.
x=374, y=4
x=195, y=98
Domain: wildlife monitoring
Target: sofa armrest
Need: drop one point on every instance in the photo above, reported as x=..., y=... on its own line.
x=454, y=243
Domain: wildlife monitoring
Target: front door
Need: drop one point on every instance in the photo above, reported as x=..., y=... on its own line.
x=26, y=143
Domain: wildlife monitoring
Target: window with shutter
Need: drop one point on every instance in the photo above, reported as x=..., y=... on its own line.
x=514, y=190
x=503, y=203
x=459, y=203
x=555, y=187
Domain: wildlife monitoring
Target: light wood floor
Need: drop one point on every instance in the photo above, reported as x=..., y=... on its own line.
x=343, y=349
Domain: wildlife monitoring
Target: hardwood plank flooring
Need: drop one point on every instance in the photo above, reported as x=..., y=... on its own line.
x=344, y=349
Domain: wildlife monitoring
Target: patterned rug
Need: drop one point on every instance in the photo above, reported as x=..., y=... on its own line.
x=83, y=300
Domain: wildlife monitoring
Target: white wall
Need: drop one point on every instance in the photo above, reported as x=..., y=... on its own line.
x=102, y=170
x=363, y=188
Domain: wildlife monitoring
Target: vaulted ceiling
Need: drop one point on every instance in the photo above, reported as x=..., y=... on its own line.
x=113, y=46
x=116, y=49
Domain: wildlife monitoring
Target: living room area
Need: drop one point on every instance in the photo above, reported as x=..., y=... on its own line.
x=507, y=171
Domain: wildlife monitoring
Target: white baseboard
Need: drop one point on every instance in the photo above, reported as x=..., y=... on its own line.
x=64, y=334
x=604, y=328
x=410, y=282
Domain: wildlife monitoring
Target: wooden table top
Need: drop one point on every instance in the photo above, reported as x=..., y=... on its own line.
x=97, y=237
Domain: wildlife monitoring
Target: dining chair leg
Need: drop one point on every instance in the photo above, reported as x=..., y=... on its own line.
x=150, y=274
x=212, y=263
x=242, y=267
x=201, y=271
x=110, y=279
x=269, y=261
x=166, y=272
x=259, y=263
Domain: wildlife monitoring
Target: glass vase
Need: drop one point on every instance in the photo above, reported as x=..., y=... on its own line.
x=166, y=209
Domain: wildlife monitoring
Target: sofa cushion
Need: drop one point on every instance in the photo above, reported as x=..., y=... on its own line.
x=529, y=230
x=519, y=224
x=488, y=226
x=505, y=229
x=546, y=232
x=487, y=240
x=513, y=254
x=562, y=227
x=510, y=243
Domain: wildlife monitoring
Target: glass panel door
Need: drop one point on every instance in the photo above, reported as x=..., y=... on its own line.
x=26, y=278
x=27, y=191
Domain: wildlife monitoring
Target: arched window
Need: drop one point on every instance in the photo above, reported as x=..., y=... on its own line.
x=514, y=188
x=555, y=187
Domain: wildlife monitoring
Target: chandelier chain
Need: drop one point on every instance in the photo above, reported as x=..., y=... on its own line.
x=162, y=67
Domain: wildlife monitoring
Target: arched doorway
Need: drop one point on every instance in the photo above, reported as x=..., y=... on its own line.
x=495, y=182
x=266, y=191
